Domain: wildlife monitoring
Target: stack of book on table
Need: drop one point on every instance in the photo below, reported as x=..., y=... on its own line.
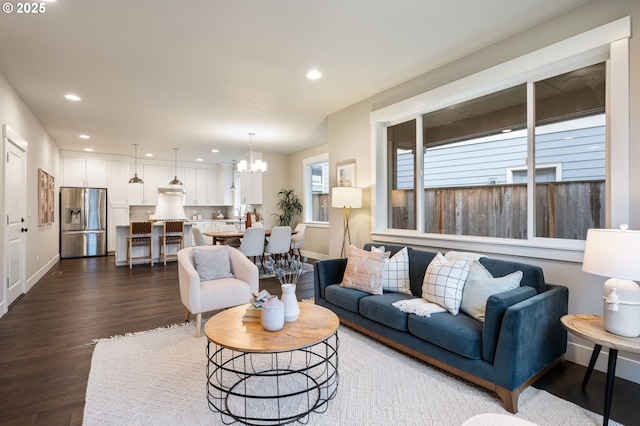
x=252, y=314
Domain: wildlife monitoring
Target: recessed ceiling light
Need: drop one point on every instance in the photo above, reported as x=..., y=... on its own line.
x=149, y=155
x=72, y=97
x=215, y=150
x=199, y=159
x=89, y=149
x=84, y=137
x=314, y=75
x=506, y=131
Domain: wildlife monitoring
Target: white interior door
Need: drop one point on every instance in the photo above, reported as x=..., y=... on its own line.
x=15, y=188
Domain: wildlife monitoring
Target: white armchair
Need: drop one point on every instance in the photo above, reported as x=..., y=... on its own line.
x=204, y=296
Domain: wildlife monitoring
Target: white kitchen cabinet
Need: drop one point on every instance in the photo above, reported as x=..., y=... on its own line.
x=118, y=172
x=84, y=172
x=213, y=195
x=201, y=188
x=155, y=176
x=225, y=180
x=188, y=177
x=251, y=188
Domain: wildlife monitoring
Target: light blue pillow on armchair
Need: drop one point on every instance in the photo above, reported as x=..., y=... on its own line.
x=212, y=262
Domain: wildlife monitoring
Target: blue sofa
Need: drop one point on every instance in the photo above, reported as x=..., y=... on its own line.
x=521, y=339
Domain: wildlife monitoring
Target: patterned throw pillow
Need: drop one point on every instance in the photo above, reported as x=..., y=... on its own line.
x=443, y=282
x=395, y=278
x=364, y=270
x=212, y=262
x=476, y=293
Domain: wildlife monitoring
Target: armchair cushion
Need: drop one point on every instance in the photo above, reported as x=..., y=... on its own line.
x=212, y=263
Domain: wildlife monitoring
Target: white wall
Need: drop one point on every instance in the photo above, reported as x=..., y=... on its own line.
x=42, y=241
x=350, y=138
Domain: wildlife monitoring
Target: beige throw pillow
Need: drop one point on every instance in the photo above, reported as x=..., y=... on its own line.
x=364, y=270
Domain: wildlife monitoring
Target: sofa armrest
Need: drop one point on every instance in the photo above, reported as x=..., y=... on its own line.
x=327, y=272
x=189, y=281
x=497, y=305
x=244, y=269
x=531, y=337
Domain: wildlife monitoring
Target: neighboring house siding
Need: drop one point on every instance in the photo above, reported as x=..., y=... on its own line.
x=579, y=152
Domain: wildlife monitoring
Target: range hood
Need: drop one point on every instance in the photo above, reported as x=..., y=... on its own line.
x=170, y=203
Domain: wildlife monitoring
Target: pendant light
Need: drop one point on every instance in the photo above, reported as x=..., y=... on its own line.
x=175, y=180
x=233, y=179
x=252, y=166
x=135, y=178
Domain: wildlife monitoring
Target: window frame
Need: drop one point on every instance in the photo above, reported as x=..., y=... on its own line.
x=608, y=43
x=307, y=163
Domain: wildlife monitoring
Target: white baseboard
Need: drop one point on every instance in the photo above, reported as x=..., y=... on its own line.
x=626, y=368
x=31, y=281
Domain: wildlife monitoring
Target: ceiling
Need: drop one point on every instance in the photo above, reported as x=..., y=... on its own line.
x=202, y=74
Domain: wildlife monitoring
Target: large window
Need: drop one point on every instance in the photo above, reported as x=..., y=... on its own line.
x=316, y=191
x=476, y=166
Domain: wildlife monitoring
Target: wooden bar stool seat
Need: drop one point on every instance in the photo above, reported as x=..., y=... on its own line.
x=173, y=235
x=140, y=235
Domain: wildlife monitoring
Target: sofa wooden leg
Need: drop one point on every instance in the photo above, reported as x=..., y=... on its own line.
x=509, y=399
x=186, y=318
x=198, y=324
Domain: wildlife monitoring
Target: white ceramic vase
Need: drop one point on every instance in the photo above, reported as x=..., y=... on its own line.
x=290, y=301
x=272, y=314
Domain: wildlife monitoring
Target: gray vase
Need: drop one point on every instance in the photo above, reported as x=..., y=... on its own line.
x=272, y=314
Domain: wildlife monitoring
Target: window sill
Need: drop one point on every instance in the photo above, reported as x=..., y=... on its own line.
x=539, y=248
x=322, y=225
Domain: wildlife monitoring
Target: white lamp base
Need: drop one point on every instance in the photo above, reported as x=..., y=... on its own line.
x=622, y=307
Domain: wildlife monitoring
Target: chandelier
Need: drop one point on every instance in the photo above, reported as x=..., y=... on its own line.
x=253, y=165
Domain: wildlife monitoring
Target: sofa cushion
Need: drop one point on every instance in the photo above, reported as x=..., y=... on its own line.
x=380, y=309
x=457, y=333
x=364, y=270
x=395, y=277
x=443, y=282
x=476, y=293
x=346, y=298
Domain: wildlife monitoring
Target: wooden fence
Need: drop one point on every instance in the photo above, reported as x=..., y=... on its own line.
x=563, y=210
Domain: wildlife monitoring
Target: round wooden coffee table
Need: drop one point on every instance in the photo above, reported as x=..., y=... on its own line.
x=261, y=377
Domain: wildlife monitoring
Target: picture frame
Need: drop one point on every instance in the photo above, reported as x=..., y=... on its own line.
x=346, y=174
x=46, y=198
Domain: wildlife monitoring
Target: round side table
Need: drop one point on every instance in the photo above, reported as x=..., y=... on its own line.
x=591, y=328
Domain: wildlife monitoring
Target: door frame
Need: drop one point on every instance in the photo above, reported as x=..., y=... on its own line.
x=9, y=136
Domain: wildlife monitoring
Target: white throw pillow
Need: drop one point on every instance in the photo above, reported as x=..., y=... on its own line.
x=443, y=282
x=477, y=271
x=476, y=293
x=395, y=277
x=212, y=262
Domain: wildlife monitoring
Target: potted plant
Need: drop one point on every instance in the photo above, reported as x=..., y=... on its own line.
x=289, y=205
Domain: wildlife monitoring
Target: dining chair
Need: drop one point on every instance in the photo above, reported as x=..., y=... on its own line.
x=140, y=235
x=233, y=242
x=198, y=238
x=252, y=244
x=279, y=241
x=297, y=239
x=173, y=236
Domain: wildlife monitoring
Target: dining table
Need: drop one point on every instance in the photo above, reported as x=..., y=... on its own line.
x=223, y=236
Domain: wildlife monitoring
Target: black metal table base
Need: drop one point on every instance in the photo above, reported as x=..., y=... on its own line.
x=611, y=374
x=272, y=388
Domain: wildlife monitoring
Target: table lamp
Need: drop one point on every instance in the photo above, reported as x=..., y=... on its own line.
x=616, y=253
x=347, y=197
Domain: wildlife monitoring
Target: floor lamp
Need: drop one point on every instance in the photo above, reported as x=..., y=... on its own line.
x=347, y=197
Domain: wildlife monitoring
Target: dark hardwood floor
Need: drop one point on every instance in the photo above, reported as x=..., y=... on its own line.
x=45, y=339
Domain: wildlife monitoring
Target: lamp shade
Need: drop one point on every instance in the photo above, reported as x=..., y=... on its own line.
x=613, y=253
x=346, y=196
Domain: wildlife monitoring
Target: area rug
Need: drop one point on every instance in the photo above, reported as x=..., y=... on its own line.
x=158, y=378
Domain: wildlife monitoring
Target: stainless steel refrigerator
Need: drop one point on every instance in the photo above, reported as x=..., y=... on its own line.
x=83, y=222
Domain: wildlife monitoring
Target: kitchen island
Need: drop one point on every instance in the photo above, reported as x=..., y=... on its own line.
x=122, y=232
